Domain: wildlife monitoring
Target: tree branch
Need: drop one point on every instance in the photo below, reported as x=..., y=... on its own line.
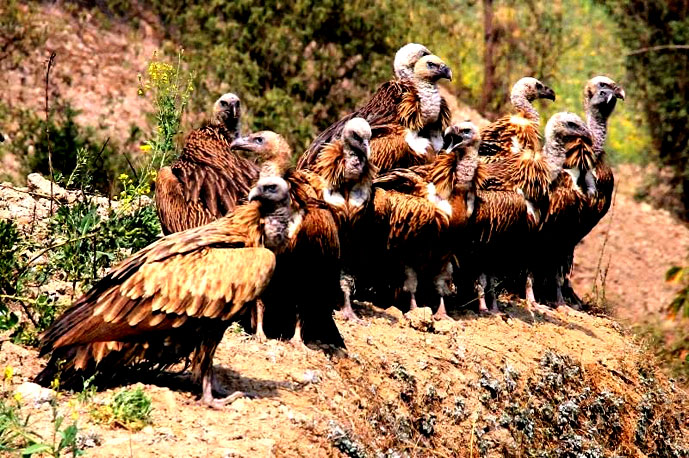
x=658, y=48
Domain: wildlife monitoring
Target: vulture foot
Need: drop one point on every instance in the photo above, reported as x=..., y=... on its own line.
x=348, y=314
x=218, y=403
x=210, y=384
x=259, y=310
x=441, y=314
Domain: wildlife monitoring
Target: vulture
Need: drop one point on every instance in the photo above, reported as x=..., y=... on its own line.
x=175, y=298
x=346, y=176
x=448, y=184
x=600, y=98
x=510, y=208
x=519, y=130
x=407, y=119
x=208, y=180
x=312, y=253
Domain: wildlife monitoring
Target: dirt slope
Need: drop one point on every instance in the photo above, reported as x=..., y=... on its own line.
x=642, y=244
x=474, y=385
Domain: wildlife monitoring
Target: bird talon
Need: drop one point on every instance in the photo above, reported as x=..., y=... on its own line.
x=218, y=403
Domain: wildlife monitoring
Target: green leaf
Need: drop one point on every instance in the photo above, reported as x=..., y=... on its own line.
x=36, y=448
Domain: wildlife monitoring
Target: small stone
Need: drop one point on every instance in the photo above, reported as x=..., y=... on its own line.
x=394, y=314
x=311, y=377
x=35, y=393
x=421, y=319
x=444, y=326
x=38, y=183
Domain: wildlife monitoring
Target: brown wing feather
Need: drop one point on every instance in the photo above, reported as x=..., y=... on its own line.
x=132, y=284
x=381, y=108
x=497, y=139
x=205, y=183
x=389, y=149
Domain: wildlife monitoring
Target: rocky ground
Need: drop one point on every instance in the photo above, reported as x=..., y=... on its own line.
x=564, y=383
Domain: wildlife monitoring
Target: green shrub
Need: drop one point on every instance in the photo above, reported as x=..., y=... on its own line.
x=129, y=408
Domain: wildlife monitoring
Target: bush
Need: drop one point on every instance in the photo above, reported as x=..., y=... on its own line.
x=129, y=408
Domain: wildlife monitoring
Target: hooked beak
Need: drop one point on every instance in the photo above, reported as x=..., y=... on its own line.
x=241, y=143
x=619, y=93
x=253, y=194
x=445, y=72
x=547, y=93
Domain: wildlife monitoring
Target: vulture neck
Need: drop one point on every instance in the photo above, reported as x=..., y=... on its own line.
x=465, y=171
x=598, y=125
x=276, y=228
x=555, y=153
x=429, y=98
x=524, y=106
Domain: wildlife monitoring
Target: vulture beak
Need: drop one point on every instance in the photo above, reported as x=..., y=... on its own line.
x=547, y=93
x=254, y=194
x=619, y=93
x=367, y=148
x=445, y=72
x=241, y=143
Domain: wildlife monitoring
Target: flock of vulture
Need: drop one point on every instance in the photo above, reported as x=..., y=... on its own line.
x=391, y=199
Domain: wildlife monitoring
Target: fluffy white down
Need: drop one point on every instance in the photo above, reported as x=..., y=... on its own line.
x=418, y=144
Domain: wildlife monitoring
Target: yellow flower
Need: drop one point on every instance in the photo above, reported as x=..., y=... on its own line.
x=123, y=176
x=17, y=397
x=145, y=148
x=55, y=384
x=9, y=372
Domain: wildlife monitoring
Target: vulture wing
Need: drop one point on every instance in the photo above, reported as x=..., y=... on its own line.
x=499, y=137
x=205, y=183
x=207, y=272
x=382, y=108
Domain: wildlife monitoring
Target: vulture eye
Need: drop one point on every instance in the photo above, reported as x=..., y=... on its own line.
x=357, y=137
x=431, y=65
x=572, y=125
x=259, y=140
x=539, y=86
x=466, y=131
x=270, y=188
x=223, y=103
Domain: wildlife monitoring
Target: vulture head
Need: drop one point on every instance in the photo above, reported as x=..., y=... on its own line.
x=562, y=129
x=531, y=89
x=226, y=111
x=269, y=147
x=601, y=94
x=431, y=68
x=272, y=192
x=356, y=136
x=407, y=57
x=461, y=135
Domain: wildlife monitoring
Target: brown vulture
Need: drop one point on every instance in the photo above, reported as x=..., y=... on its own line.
x=519, y=130
x=346, y=176
x=208, y=180
x=509, y=210
x=447, y=183
x=600, y=97
x=407, y=119
x=173, y=299
x=405, y=60
x=312, y=251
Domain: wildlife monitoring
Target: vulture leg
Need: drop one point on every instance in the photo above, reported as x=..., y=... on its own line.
x=530, y=298
x=480, y=287
x=347, y=286
x=443, y=288
x=441, y=314
x=410, y=285
x=203, y=369
x=297, y=341
x=559, y=281
x=259, y=310
x=494, y=282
